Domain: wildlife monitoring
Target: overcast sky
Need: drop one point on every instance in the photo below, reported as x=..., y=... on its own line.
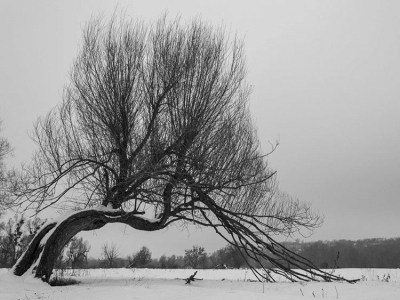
x=326, y=84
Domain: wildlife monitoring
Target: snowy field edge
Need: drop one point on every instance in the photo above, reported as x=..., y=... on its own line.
x=149, y=284
x=368, y=274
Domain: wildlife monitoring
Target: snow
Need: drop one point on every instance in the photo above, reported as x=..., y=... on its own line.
x=152, y=284
x=61, y=218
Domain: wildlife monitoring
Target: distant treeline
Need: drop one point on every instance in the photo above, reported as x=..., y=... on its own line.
x=366, y=253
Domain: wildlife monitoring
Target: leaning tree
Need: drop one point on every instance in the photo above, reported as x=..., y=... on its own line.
x=153, y=129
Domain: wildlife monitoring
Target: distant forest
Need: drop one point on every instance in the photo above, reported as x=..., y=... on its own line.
x=367, y=253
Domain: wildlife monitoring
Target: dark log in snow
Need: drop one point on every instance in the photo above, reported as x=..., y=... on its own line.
x=191, y=278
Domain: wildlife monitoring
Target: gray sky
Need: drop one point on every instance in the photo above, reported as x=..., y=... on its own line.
x=326, y=84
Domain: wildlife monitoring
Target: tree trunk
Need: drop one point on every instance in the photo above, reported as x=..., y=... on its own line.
x=46, y=246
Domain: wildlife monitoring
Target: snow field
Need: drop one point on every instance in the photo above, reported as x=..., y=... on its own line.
x=152, y=284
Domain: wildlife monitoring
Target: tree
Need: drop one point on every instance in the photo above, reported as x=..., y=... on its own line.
x=171, y=262
x=15, y=236
x=228, y=257
x=11, y=242
x=76, y=251
x=140, y=259
x=163, y=261
x=195, y=257
x=153, y=129
x=5, y=150
x=110, y=253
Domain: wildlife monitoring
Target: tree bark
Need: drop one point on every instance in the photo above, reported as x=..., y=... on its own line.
x=46, y=246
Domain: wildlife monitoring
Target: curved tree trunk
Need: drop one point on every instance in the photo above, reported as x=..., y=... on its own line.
x=46, y=246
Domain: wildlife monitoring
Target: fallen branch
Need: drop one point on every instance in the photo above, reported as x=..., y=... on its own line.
x=191, y=278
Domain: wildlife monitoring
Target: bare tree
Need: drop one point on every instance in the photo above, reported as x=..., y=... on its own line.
x=5, y=150
x=77, y=251
x=140, y=259
x=155, y=129
x=5, y=147
x=195, y=257
x=228, y=257
x=110, y=253
x=15, y=236
x=10, y=241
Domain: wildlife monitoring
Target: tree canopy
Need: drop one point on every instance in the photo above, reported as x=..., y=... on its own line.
x=154, y=128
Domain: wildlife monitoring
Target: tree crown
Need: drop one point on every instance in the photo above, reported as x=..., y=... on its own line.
x=156, y=121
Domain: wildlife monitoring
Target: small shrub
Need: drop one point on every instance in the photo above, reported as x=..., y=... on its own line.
x=364, y=278
x=386, y=277
x=335, y=263
x=62, y=281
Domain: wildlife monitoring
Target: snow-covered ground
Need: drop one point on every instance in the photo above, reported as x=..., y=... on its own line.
x=151, y=284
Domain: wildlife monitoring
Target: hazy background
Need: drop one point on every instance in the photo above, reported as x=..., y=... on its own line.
x=326, y=84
